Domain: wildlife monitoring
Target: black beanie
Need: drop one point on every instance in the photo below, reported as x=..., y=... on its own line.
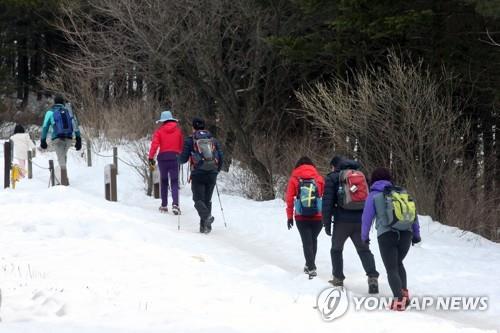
x=336, y=160
x=19, y=129
x=198, y=124
x=381, y=174
x=58, y=99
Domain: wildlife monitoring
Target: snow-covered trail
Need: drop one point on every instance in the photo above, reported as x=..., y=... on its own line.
x=70, y=261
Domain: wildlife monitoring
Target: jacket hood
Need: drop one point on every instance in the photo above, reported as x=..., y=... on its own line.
x=349, y=164
x=305, y=171
x=379, y=185
x=169, y=127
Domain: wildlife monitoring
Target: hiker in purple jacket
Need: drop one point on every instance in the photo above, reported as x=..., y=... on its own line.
x=394, y=244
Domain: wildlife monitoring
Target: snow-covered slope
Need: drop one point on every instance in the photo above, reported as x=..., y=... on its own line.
x=72, y=262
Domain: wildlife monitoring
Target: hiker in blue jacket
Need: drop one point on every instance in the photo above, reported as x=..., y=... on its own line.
x=62, y=123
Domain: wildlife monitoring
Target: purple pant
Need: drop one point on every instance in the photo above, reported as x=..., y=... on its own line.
x=169, y=169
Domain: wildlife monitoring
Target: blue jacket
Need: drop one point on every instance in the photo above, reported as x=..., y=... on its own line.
x=188, y=150
x=48, y=123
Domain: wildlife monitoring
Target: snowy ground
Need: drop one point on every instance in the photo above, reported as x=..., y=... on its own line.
x=72, y=262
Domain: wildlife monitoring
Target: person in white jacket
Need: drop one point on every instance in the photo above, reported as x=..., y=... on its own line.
x=22, y=144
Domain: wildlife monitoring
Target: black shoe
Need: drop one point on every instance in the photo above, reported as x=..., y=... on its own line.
x=336, y=282
x=312, y=273
x=176, y=210
x=373, y=285
x=202, y=227
x=208, y=224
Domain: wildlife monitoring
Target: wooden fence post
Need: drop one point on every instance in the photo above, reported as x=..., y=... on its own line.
x=149, y=191
x=156, y=183
x=115, y=158
x=7, y=163
x=110, y=186
x=52, y=173
x=30, y=164
x=89, y=154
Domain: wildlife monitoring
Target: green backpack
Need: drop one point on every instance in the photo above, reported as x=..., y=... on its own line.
x=401, y=210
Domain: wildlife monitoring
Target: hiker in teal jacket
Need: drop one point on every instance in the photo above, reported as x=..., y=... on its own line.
x=63, y=125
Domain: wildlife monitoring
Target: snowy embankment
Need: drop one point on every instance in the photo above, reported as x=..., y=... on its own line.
x=72, y=262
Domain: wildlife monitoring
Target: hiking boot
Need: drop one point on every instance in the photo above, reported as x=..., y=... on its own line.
x=398, y=304
x=312, y=273
x=373, y=285
x=306, y=270
x=337, y=282
x=406, y=296
x=163, y=209
x=202, y=227
x=208, y=224
x=176, y=210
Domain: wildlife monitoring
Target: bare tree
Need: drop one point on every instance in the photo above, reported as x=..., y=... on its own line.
x=215, y=49
x=398, y=118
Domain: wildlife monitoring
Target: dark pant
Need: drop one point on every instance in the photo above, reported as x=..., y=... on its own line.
x=342, y=231
x=203, y=186
x=309, y=231
x=169, y=168
x=393, y=249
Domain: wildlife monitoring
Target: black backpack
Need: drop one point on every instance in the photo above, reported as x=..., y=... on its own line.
x=204, y=155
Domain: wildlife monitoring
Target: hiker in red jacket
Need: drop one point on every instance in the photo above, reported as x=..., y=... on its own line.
x=169, y=141
x=303, y=195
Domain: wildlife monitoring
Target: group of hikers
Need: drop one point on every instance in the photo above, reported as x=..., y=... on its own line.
x=346, y=201
x=344, y=204
x=168, y=146
x=204, y=154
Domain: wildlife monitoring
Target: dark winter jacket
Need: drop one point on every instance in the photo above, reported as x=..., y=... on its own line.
x=302, y=172
x=330, y=198
x=188, y=151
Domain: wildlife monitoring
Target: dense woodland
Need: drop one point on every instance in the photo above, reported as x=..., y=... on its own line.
x=413, y=85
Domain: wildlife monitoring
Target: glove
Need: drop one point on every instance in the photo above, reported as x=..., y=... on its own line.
x=415, y=240
x=289, y=223
x=78, y=144
x=328, y=229
x=152, y=164
x=43, y=144
x=367, y=241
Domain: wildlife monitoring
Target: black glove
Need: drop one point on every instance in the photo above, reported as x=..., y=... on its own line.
x=78, y=144
x=367, y=241
x=43, y=144
x=289, y=223
x=328, y=229
x=416, y=240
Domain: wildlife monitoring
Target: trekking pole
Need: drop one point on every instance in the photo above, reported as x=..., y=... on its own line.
x=179, y=222
x=220, y=204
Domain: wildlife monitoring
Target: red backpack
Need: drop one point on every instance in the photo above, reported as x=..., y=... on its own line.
x=353, y=189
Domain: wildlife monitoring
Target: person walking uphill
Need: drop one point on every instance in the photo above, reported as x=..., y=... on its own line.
x=396, y=230
x=303, y=195
x=22, y=144
x=168, y=140
x=64, y=126
x=204, y=153
x=344, y=182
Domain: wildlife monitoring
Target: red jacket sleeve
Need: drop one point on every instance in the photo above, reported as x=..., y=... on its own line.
x=321, y=185
x=180, y=140
x=291, y=192
x=155, y=144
